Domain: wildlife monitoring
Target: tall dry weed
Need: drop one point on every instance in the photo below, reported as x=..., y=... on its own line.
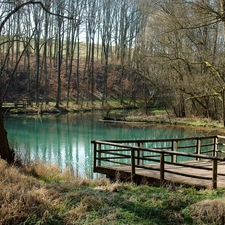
x=50, y=172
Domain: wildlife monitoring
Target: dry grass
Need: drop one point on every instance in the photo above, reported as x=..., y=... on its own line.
x=87, y=203
x=50, y=172
x=21, y=196
x=209, y=211
x=43, y=194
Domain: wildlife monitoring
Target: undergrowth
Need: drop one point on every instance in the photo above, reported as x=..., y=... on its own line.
x=42, y=194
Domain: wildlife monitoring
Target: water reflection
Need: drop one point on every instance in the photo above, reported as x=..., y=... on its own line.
x=65, y=139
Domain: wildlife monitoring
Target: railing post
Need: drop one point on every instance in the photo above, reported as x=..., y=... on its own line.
x=214, y=174
x=198, y=147
x=162, y=168
x=215, y=146
x=95, y=156
x=174, y=149
x=132, y=163
x=99, y=154
x=140, y=154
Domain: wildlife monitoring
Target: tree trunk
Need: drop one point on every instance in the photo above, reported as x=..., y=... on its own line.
x=5, y=152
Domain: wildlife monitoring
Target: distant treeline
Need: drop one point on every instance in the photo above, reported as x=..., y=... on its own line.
x=156, y=53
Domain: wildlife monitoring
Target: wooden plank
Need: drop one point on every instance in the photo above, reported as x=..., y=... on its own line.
x=161, y=140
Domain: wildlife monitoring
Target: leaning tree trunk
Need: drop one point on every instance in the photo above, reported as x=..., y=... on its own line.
x=5, y=152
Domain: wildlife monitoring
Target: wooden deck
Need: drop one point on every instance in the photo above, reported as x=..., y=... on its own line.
x=151, y=177
x=20, y=104
x=16, y=104
x=204, y=167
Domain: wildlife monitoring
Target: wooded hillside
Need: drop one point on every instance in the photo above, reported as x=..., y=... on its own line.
x=166, y=54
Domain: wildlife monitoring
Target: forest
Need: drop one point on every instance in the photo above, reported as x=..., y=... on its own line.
x=162, y=54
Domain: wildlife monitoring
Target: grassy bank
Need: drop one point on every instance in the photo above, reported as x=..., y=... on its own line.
x=160, y=117
x=42, y=194
x=73, y=107
x=109, y=110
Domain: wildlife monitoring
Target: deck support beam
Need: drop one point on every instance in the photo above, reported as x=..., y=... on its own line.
x=132, y=163
x=214, y=175
x=162, y=168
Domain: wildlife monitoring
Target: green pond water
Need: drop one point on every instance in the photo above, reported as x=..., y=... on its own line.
x=66, y=139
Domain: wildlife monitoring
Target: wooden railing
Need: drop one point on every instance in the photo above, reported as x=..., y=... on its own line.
x=142, y=153
x=17, y=103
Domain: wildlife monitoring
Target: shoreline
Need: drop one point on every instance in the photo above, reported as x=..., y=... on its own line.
x=159, y=119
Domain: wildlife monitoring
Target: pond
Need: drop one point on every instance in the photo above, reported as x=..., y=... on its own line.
x=66, y=139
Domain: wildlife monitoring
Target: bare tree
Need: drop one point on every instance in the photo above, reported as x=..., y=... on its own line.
x=60, y=8
x=182, y=51
x=46, y=41
x=109, y=12
x=5, y=151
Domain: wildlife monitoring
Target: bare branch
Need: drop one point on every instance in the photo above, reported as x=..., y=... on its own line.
x=31, y=2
